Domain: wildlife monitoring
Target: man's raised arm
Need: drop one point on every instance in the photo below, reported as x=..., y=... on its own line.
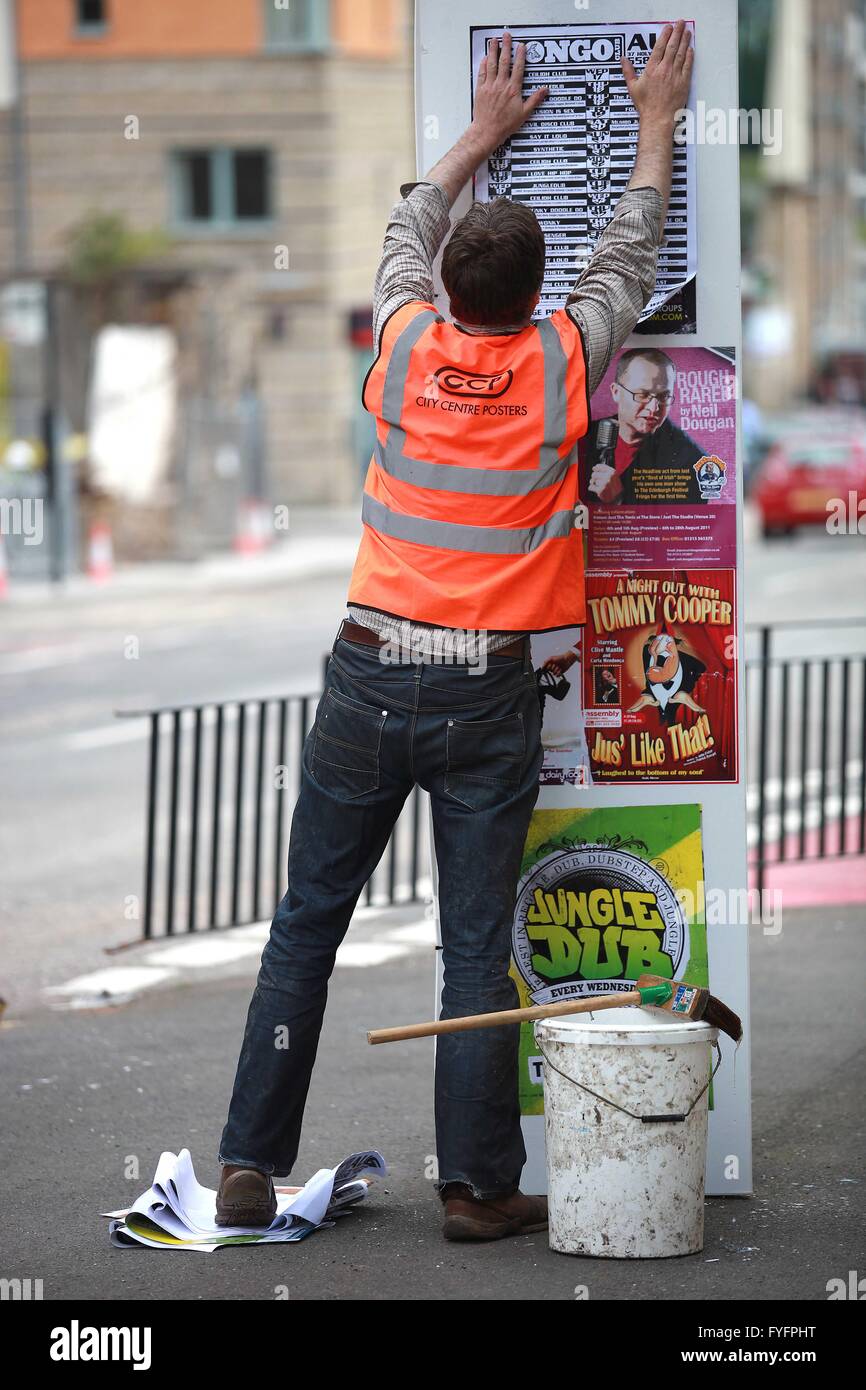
x=607, y=300
x=610, y=294
x=419, y=224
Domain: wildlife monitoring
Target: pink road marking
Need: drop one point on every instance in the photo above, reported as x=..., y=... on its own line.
x=806, y=882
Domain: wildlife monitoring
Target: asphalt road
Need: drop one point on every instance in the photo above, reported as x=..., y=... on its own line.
x=812, y=578
x=75, y=775
x=83, y=1092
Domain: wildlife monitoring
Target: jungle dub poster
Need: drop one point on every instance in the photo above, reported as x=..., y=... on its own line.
x=605, y=895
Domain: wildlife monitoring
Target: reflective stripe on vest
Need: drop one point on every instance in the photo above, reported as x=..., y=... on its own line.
x=480, y=540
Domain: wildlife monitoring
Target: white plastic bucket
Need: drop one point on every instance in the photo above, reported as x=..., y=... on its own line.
x=618, y=1186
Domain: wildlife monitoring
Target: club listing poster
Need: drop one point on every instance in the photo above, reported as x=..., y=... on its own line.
x=572, y=159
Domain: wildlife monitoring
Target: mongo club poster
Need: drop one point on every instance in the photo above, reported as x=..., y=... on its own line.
x=659, y=676
x=605, y=895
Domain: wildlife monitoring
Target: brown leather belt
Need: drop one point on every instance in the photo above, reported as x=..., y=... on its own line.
x=354, y=632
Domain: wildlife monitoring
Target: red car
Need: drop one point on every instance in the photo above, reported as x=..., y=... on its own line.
x=810, y=480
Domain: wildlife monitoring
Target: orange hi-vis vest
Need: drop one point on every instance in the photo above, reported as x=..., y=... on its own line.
x=469, y=501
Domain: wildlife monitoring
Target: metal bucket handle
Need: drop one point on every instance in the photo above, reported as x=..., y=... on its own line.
x=644, y=1119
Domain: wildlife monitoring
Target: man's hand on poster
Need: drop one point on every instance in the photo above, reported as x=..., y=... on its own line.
x=560, y=664
x=499, y=106
x=499, y=111
x=663, y=87
x=605, y=483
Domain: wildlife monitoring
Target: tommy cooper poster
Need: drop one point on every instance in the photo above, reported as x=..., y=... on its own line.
x=659, y=676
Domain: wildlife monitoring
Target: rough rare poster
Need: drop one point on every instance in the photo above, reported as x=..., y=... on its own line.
x=658, y=465
x=572, y=159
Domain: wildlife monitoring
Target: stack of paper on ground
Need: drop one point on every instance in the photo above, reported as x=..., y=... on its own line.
x=177, y=1213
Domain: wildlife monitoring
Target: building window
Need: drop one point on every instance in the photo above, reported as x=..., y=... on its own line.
x=296, y=25
x=222, y=188
x=91, y=16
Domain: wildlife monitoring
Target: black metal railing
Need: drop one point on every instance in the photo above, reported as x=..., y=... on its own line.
x=805, y=745
x=222, y=779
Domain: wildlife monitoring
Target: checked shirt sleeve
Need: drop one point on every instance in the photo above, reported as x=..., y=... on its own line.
x=417, y=228
x=608, y=298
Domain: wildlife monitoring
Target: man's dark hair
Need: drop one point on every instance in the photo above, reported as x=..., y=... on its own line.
x=493, y=264
x=654, y=355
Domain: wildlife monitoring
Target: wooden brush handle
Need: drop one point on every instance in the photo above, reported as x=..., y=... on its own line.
x=463, y=1025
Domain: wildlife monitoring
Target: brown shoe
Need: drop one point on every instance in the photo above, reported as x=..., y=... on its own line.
x=469, y=1218
x=246, y=1197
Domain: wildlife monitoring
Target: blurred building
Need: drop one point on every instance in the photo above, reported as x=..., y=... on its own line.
x=810, y=243
x=268, y=139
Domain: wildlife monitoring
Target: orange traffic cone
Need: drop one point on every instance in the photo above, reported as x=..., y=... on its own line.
x=254, y=527
x=100, y=553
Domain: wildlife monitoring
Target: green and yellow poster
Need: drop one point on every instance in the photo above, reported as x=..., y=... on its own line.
x=606, y=893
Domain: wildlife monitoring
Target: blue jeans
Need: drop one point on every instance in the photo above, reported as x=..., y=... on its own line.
x=472, y=739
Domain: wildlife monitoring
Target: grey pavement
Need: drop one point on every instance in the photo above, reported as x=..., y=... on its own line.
x=83, y=1090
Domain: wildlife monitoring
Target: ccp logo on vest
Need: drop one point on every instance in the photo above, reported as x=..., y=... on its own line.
x=591, y=918
x=481, y=385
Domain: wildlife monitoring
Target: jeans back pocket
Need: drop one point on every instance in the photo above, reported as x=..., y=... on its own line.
x=484, y=758
x=345, y=757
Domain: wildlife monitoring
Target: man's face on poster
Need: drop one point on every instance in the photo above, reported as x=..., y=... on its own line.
x=643, y=397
